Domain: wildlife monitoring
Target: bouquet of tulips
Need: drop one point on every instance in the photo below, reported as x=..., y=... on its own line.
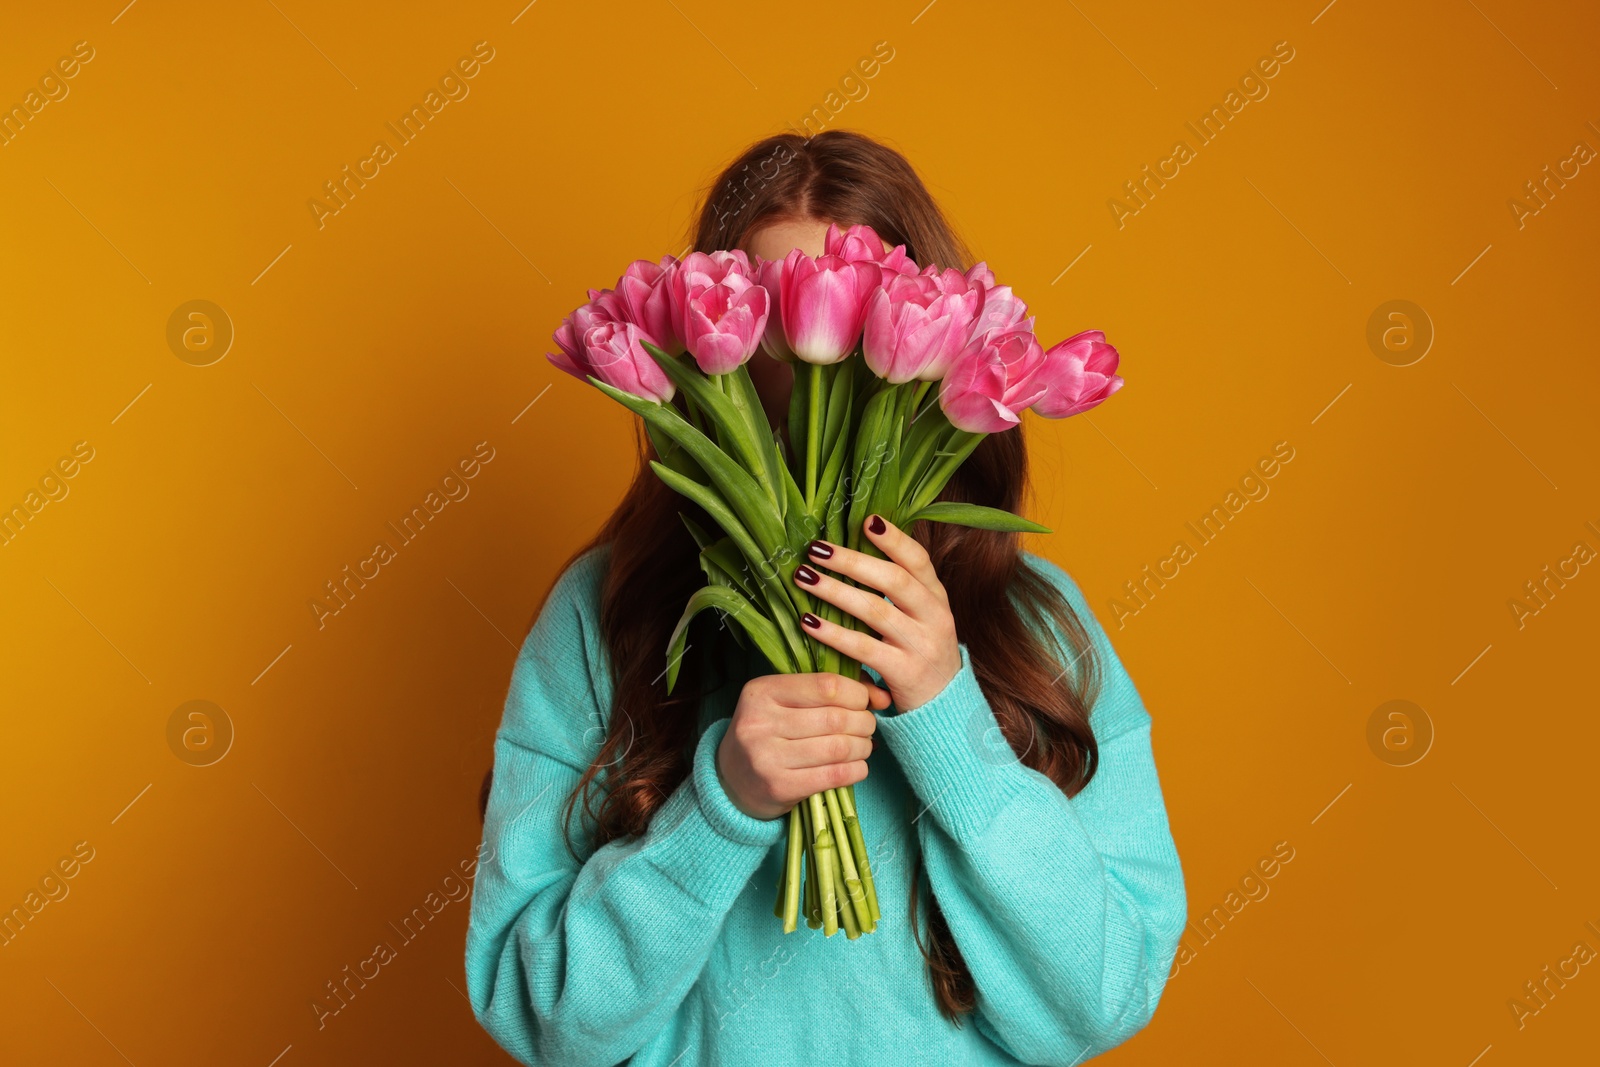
x=870, y=335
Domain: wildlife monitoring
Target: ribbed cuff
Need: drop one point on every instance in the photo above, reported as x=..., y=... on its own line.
x=955, y=756
x=701, y=841
x=719, y=811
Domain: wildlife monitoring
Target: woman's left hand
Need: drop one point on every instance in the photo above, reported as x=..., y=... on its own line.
x=917, y=653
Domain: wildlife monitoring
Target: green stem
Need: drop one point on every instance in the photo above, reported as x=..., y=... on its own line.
x=824, y=850
x=851, y=877
x=791, y=874
x=858, y=844
x=813, y=900
x=916, y=398
x=847, y=912
x=815, y=414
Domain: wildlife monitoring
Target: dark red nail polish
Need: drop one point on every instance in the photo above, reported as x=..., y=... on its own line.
x=805, y=575
x=875, y=524
x=820, y=550
x=808, y=619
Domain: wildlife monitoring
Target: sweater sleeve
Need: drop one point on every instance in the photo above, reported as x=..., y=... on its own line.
x=1066, y=910
x=582, y=963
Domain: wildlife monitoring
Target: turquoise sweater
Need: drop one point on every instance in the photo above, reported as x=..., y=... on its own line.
x=664, y=948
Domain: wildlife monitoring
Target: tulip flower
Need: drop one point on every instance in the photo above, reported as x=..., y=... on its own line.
x=824, y=302
x=988, y=387
x=645, y=293
x=592, y=342
x=860, y=244
x=617, y=357
x=1077, y=374
x=722, y=309
x=914, y=328
x=769, y=273
x=602, y=307
x=962, y=289
x=999, y=309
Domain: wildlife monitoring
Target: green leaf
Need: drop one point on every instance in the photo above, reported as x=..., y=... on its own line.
x=674, y=455
x=733, y=429
x=754, y=505
x=978, y=517
x=798, y=524
x=886, y=492
x=733, y=605
x=696, y=531
x=714, y=506
x=799, y=403
x=831, y=502
x=920, y=441
x=724, y=565
x=871, y=444
x=840, y=402
x=952, y=453
x=741, y=393
x=784, y=599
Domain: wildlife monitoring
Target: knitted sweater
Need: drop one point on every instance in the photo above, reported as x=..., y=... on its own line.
x=664, y=947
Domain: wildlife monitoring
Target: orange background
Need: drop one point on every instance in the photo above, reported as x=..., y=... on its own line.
x=374, y=352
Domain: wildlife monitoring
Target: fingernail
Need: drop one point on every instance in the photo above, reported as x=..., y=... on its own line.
x=810, y=620
x=875, y=524
x=820, y=550
x=805, y=575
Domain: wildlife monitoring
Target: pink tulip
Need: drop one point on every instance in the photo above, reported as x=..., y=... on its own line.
x=645, y=292
x=987, y=388
x=769, y=273
x=573, y=358
x=617, y=357
x=981, y=275
x=608, y=304
x=961, y=289
x=999, y=308
x=593, y=342
x=824, y=302
x=1077, y=374
x=722, y=309
x=860, y=244
x=914, y=328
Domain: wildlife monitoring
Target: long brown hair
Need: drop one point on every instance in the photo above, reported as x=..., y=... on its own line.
x=1041, y=696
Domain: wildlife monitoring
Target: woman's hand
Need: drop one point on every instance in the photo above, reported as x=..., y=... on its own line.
x=916, y=653
x=793, y=735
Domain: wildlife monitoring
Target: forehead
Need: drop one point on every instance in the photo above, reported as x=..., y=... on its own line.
x=776, y=239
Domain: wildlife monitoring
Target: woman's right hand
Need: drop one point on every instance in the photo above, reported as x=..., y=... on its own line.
x=793, y=735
